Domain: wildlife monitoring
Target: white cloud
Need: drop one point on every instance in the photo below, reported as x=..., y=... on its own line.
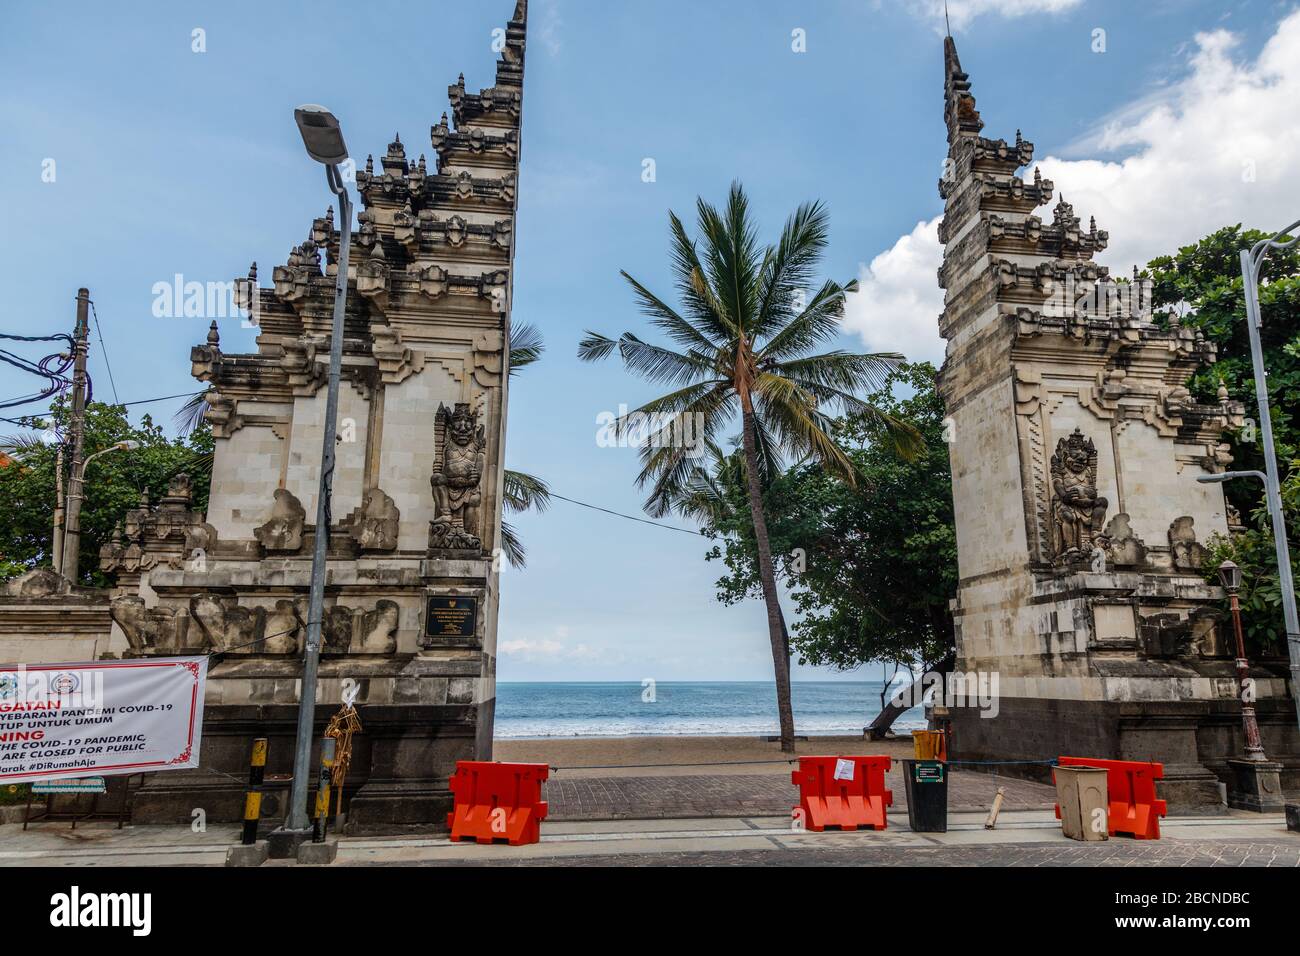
x=549, y=29
x=962, y=12
x=1216, y=148
x=899, y=300
x=547, y=649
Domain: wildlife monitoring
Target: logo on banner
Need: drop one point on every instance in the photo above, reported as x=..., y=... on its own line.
x=65, y=684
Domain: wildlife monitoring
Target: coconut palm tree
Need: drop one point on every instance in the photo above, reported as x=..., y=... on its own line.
x=520, y=491
x=741, y=338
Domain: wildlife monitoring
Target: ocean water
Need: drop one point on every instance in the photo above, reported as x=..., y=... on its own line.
x=686, y=708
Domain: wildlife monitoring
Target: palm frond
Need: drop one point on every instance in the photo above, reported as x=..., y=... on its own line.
x=702, y=492
x=189, y=417
x=789, y=266
x=818, y=322
x=512, y=547
x=692, y=285
x=20, y=445
x=846, y=371
x=526, y=346
x=593, y=347
x=665, y=318
x=733, y=258
x=666, y=459
x=792, y=413
x=523, y=492
x=655, y=363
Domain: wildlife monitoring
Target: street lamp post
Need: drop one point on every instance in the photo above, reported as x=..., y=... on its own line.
x=324, y=141
x=1252, y=261
x=1230, y=578
x=70, y=548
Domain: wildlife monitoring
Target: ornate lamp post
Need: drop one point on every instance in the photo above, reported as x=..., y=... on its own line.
x=1256, y=781
x=1230, y=578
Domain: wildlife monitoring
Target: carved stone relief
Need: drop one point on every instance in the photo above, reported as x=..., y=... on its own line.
x=157, y=630
x=377, y=633
x=1188, y=554
x=1125, y=549
x=373, y=525
x=283, y=532
x=227, y=626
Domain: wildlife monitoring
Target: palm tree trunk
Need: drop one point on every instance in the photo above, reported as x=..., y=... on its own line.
x=767, y=575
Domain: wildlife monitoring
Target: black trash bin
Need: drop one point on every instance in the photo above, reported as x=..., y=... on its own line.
x=927, y=795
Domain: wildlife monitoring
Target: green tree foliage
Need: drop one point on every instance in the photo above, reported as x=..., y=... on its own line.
x=872, y=564
x=1261, y=590
x=114, y=483
x=1202, y=286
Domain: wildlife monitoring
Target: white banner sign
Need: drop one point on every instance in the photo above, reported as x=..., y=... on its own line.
x=106, y=718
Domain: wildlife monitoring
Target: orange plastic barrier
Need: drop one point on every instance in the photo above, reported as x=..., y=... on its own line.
x=498, y=801
x=1131, y=792
x=857, y=800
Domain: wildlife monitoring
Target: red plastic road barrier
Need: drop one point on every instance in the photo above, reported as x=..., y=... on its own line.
x=857, y=799
x=1131, y=787
x=498, y=801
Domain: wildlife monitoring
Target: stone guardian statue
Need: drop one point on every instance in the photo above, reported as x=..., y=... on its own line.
x=457, y=476
x=1078, y=512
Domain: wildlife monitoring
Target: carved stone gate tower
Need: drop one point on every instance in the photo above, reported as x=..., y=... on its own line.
x=411, y=594
x=1075, y=453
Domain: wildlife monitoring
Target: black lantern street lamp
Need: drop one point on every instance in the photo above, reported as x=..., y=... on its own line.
x=1230, y=578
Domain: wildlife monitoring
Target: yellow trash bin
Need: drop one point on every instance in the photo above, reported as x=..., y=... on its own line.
x=929, y=745
x=1083, y=802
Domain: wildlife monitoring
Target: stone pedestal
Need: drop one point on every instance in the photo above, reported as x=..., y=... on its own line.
x=254, y=855
x=318, y=854
x=284, y=844
x=1256, y=785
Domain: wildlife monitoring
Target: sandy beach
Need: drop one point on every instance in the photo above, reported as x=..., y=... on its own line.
x=682, y=756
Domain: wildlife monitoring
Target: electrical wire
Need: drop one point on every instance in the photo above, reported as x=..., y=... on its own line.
x=619, y=514
x=99, y=332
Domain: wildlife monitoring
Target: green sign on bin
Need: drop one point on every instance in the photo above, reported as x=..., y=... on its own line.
x=928, y=771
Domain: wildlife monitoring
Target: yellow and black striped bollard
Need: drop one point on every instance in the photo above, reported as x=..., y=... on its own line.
x=253, y=799
x=327, y=750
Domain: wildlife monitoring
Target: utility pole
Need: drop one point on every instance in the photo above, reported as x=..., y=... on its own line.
x=57, y=563
x=76, y=493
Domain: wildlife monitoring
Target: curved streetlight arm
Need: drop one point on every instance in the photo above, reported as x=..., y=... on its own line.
x=1261, y=248
x=1229, y=475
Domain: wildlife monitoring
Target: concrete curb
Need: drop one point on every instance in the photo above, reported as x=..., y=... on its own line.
x=13, y=814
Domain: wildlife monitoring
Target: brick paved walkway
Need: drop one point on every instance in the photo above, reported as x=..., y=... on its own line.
x=1112, y=853
x=700, y=795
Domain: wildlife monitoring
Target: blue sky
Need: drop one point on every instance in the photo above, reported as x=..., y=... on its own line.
x=170, y=161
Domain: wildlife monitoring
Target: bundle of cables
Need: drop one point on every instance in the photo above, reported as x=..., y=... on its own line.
x=52, y=368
